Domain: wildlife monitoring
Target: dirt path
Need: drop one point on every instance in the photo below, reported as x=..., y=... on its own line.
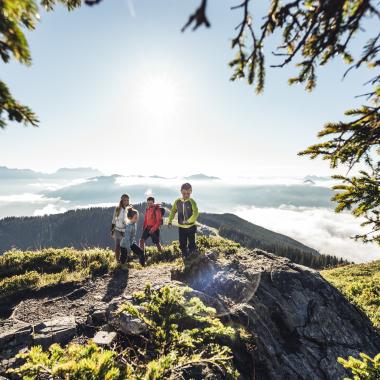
x=78, y=302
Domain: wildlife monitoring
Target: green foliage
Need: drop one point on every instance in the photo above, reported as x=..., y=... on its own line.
x=313, y=33
x=365, y=369
x=82, y=362
x=184, y=341
x=360, y=283
x=217, y=244
x=15, y=17
x=183, y=332
x=33, y=269
x=352, y=143
x=20, y=282
x=170, y=253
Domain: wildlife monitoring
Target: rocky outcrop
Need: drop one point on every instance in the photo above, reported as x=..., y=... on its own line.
x=300, y=322
x=19, y=338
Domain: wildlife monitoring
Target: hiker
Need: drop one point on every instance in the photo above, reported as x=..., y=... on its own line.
x=187, y=216
x=128, y=243
x=118, y=223
x=152, y=223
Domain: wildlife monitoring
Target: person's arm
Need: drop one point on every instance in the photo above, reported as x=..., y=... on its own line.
x=113, y=223
x=173, y=211
x=158, y=219
x=193, y=218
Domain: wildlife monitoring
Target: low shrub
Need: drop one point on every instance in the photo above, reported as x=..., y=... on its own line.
x=365, y=368
x=84, y=362
x=30, y=270
x=17, y=283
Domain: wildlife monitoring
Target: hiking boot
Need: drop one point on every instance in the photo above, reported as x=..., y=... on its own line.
x=142, y=260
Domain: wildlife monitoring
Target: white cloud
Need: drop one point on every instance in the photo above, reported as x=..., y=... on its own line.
x=52, y=186
x=319, y=228
x=25, y=198
x=49, y=209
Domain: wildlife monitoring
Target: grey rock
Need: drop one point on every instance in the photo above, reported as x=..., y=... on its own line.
x=17, y=336
x=58, y=330
x=104, y=338
x=130, y=325
x=98, y=315
x=300, y=323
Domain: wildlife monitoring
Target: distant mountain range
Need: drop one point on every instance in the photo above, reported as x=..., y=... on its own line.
x=63, y=173
x=74, y=173
x=90, y=228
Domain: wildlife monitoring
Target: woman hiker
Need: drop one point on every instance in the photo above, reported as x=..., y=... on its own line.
x=119, y=223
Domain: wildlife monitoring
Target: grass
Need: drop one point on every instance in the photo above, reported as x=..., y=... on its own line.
x=360, y=283
x=21, y=271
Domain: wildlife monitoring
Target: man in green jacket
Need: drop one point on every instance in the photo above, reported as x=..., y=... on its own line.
x=187, y=216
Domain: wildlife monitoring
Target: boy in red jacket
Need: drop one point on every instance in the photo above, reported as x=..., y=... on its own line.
x=152, y=224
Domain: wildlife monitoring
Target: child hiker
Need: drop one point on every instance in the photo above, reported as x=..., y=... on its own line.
x=187, y=216
x=152, y=224
x=128, y=242
x=118, y=223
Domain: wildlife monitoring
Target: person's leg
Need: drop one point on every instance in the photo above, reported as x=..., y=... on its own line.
x=182, y=237
x=118, y=238
x=144, y=237
x=139, y=252
x=123, y=255
x=156, y=240
x=191, y=238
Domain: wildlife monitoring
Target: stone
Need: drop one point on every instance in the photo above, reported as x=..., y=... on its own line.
x=98, y=315
x=300, y=323
x=17, y=336
x=104, y=338
x=57, y=330
x=130, y=325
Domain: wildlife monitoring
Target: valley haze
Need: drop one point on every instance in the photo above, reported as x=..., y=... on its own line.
x=298, y=207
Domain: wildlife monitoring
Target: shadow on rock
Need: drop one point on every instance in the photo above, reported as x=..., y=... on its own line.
x=116, y=285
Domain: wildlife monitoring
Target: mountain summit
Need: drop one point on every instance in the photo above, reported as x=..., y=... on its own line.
x=226, y=313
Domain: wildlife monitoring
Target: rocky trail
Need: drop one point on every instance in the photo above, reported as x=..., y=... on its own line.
x=79, y=301
x=66, y=313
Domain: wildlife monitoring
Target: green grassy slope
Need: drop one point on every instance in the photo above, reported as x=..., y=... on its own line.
x=360, y=283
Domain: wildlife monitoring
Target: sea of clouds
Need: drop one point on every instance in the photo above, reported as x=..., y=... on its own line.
x=291, y=206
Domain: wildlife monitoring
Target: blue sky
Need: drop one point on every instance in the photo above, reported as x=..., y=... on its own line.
x=91, y=67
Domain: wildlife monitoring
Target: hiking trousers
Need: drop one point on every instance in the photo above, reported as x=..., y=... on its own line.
x=187, y=239
x=136, y=250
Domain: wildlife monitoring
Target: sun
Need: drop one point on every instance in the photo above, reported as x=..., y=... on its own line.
x=159, y=96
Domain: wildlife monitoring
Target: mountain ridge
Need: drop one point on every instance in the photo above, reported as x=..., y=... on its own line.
x=89, y=228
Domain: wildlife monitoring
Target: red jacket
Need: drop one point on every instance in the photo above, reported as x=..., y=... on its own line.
x=152, y=219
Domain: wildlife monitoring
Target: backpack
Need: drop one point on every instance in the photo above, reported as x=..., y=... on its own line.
x=162, y=210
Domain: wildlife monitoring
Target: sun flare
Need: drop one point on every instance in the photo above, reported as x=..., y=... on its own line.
x=159, y=96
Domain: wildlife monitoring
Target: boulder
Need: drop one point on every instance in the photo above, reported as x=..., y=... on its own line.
x=12, y=342
x=19, y=336
x=130, y=325
x=58, y=330
x=300, y=323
